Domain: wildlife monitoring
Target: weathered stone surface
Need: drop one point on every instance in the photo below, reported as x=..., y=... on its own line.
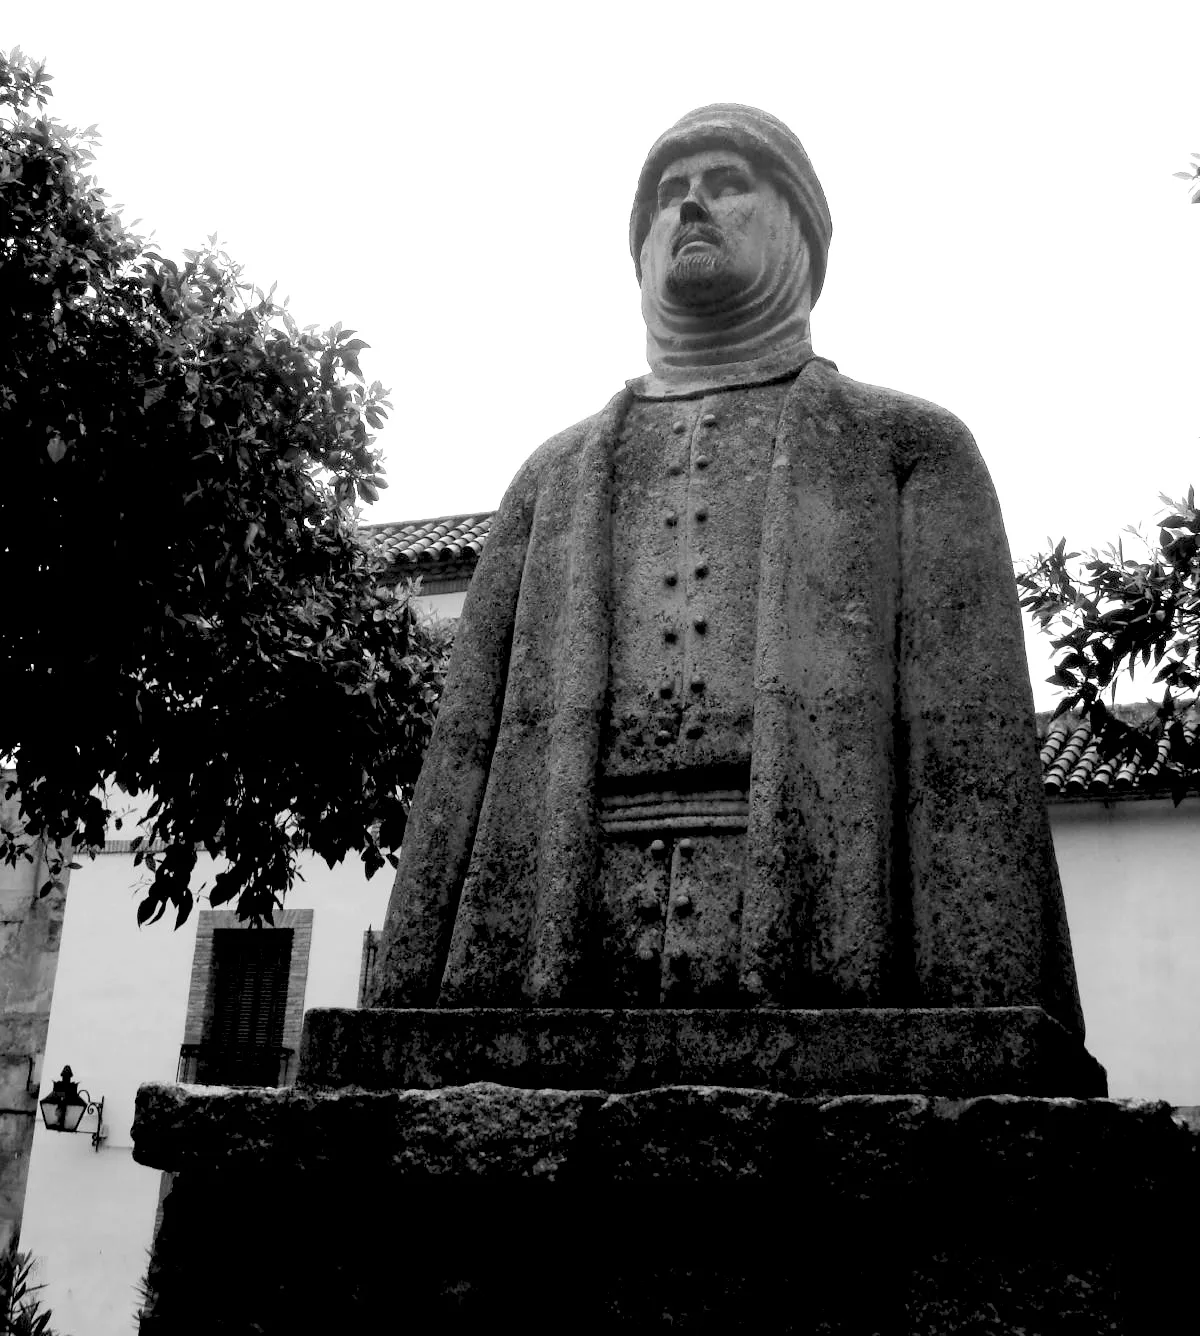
x=732, y=813
x=481, y=1130
x=739, y=712
x=951, y=1051
x=709, y=1209
x=1009, y=1148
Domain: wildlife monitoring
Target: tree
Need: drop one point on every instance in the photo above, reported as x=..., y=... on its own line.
x=1109, y=612
x=190, y=611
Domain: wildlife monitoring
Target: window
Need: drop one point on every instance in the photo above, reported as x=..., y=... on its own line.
x=250, y=975
x=246, y=1003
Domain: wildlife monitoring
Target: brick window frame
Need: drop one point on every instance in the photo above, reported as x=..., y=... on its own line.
x=201, y=990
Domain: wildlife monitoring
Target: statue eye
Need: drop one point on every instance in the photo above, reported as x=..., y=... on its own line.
x=733, y=184
x=671, y=192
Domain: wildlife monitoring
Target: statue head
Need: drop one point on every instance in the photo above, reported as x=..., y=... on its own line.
x=720, y=228
x=729, y=234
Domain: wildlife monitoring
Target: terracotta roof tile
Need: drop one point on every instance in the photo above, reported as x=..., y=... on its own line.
x=1073, y=766
x=415, y=545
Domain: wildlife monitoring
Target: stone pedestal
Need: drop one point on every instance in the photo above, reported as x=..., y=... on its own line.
x=645, y=1171
x=485, y=1207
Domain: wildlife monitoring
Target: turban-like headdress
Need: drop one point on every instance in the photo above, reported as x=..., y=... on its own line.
x=758, y=136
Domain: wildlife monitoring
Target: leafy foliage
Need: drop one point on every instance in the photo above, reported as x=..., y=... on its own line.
x=1109, y=612
x=1192, y=175
x=191, y=612
x=145, y=1292
x=21, y=1311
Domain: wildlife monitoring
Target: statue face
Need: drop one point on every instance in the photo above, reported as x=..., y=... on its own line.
x=720, y=224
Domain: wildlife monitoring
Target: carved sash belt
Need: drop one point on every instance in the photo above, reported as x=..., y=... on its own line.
x=673, y=811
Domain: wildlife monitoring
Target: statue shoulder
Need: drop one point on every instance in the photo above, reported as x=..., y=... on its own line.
x=918, y=431
x=562, y=446
x=543, y=463
x=558, y=458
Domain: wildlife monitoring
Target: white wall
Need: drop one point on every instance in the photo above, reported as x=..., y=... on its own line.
x=1130, y=879
x=445, y=605
x=118, y=1019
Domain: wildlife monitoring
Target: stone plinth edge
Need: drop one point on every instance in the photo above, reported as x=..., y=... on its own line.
x=813, y=1053
x=486, y=1207
x=864, y=1143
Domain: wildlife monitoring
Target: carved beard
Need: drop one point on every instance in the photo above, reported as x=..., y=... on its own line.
x=703, y=311
x=701, y=278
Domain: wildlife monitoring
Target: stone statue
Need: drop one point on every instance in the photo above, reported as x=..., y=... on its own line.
x=738, y=714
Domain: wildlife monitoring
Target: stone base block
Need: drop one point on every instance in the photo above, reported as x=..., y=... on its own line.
x=838, y=1051
x=489, y=1208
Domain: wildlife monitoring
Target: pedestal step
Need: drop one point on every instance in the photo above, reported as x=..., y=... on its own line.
x=837, y=1051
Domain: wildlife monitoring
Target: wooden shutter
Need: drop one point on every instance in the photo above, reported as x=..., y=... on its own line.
x=250, y=982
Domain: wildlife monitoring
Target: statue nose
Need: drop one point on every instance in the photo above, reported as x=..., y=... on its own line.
x=692, y=211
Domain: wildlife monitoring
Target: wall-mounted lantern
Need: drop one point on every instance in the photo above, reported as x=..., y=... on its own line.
x=64, y=1107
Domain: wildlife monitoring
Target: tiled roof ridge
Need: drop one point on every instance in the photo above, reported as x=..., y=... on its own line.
x=426, y=521
x=1074, y=767
x=453, y=539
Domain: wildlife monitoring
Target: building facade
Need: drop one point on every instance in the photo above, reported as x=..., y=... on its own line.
x=1127, y=855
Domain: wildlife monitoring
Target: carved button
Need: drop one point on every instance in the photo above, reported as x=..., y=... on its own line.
x=662, y=737
x=695, y=731
x=670, y=578
x=682, y=903
x=702, y=570
x=672, y=519
x=701, y=624
x=709, y=420
x=702, y=461
x=701, y=514
x=666, y=690
x=657, y=849
x=674, y=470
x=697, y=683
x=679, y=426
x=687, y=847
x=670, y=637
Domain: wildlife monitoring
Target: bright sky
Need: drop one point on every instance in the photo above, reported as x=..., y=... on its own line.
x=454, y=182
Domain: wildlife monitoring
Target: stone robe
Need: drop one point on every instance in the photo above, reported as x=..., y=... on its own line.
x=738, y=715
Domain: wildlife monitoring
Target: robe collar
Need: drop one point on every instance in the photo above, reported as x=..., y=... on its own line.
x=781, y=364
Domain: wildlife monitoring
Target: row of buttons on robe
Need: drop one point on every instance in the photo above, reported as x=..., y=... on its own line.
x=650, y=904
x=671, y=578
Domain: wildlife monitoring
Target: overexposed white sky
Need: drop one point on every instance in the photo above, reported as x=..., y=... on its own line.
x=454, y=181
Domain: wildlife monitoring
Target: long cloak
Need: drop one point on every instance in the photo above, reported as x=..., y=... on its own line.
x=899, y=847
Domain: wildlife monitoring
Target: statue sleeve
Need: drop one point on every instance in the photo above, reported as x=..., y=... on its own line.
x=445, y=812
x=988, y=921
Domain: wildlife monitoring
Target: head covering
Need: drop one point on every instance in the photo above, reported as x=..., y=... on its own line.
x=758, y=136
